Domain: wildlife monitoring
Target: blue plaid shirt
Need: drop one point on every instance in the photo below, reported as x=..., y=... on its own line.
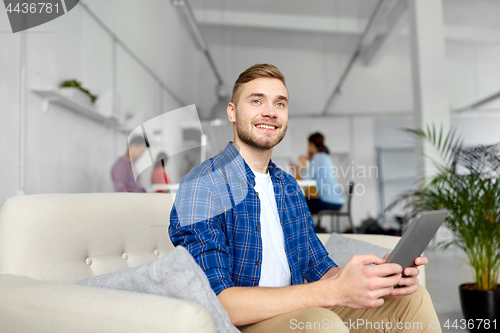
x=216, y=217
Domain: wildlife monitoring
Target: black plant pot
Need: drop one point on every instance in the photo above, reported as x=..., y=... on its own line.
x=477, y=306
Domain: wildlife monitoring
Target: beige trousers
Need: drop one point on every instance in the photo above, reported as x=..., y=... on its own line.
x=412, y=313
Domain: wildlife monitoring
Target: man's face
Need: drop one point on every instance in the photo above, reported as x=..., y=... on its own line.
x=136, y=151
x=261, y=113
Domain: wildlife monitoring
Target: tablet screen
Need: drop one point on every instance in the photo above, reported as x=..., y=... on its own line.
x=419, y=234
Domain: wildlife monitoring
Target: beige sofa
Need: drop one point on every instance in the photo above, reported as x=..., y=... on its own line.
x=47, y=242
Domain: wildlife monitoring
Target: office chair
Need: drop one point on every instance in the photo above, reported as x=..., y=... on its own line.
x=339, y=213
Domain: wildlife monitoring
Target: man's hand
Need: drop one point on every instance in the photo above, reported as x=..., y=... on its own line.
x=358, y=285
x=409, y=283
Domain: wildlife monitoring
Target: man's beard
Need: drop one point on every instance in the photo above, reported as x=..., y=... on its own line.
x=263, y=143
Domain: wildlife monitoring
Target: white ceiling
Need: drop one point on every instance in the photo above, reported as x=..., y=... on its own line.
x=325, y=8
x=483, y=14
x=326, y=32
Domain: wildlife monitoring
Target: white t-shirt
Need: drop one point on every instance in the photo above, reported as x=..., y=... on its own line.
x=275, y=271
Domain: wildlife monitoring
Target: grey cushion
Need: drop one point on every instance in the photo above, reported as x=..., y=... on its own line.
x=341, y=248
x=175, y=275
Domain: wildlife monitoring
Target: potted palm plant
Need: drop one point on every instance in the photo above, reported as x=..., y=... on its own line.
x=466, y=183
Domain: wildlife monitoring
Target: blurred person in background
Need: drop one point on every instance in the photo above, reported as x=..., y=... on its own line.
x=122, y=172
x=322, y=170
x=159, y=175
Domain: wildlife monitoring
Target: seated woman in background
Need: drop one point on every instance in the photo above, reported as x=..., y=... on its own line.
x=123, y=170
x=159, y=175
x=322, y=170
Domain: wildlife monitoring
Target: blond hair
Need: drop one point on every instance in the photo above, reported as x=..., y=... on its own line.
x=255, y=72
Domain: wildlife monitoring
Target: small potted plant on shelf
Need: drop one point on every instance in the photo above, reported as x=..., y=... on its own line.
x=466, y=183
x=74, y=89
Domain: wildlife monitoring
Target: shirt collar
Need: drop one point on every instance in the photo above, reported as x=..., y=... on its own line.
x=231, y=154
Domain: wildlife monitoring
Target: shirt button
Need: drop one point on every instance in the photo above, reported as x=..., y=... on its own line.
x=257, y=193
x=257, y=228
x=257, y=262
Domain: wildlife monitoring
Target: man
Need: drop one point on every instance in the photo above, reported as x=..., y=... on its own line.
x=122, y=172
x=247, y=225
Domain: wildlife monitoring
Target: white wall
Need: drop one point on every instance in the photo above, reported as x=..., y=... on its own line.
x=365, y=198
x=475, y=127
x=9, y=110
x=480, y=129
x=473, y=72
x=385, y=86
x=70, y=153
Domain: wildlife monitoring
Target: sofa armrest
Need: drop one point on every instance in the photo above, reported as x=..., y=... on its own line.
x=27, y=305
x=389, y=242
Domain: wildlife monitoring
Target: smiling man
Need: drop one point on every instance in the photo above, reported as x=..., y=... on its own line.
x=246, y=223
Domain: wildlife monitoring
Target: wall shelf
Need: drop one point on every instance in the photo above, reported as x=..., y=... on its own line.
x=124, y=129
x=85, y=110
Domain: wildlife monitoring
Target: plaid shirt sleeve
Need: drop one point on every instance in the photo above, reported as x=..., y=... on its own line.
x=195, y=225
x=319, y=261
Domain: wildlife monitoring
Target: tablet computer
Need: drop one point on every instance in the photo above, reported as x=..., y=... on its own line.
x=419, y=234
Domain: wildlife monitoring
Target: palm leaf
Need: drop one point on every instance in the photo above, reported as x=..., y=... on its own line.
x=473, y=200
